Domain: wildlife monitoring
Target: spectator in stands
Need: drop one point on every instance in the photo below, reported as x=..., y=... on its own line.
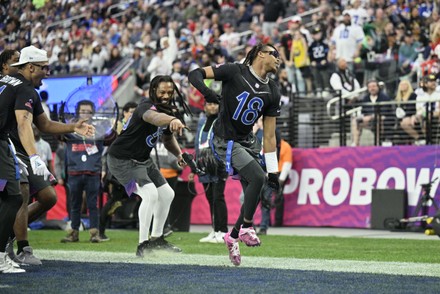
x=214, y=179
x=406, y=112
x=79, y=65
x=229, y=39
x=347, y=40
x=113, y=60
x=273, y=13
x=61, y=67
x=428, y=91
x=158, y=65
x=98, y=57
x=371, y=117
x=344, y=80
x=407, y=53
x=358, y=13
x=318, y=52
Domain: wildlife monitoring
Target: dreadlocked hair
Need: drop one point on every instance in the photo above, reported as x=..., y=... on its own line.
x=170, y=108
x=250, y=57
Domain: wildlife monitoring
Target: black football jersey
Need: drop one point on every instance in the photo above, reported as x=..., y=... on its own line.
x=244, y=99
x=17, y=93
x=138, y=137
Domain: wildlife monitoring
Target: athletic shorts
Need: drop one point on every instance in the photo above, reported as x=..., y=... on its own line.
x=8, y=170
x=36, y=183
x=130, y=172
x=243, y=151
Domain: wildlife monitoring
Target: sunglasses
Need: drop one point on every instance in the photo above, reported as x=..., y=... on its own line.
x=43, y=67
x=274, y=53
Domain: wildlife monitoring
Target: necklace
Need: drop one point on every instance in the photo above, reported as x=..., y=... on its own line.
x=264, y=81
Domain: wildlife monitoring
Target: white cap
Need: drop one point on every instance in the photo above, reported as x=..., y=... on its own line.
x=139, y=45
x=31, y=54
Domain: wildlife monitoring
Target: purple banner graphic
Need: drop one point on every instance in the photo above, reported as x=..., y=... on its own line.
x=332, y=186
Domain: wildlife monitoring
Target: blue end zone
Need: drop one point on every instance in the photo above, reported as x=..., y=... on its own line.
x=78, y=277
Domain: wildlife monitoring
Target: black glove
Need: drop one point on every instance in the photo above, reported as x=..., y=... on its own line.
x=212, y=97
x=273, y=182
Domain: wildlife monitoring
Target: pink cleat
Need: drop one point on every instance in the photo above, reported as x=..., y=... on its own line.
x=234, y=250
x=249, y=237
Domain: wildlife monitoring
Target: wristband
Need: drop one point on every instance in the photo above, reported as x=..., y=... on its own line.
x=33, y=155
x=271, y=162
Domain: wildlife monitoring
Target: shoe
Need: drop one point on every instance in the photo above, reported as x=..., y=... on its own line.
x=141, y=248
x=26, y=257
x=72, y=236
x=167, y=231
x=94, y=236
x=262, y=232
x=10, y=248
x=162, y=244
x=249, y=237
x=218, y=237
x=7, y=266
x=103, y=237
x=208, y=238
x=234, y=249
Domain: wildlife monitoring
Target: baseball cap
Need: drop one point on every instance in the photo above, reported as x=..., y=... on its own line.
x=430, y=78
x=316, y=30
x=31, y=54
x=295, y=19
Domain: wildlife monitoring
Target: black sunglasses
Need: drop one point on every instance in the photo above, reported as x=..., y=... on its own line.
x=274, y=53
x=43, y=67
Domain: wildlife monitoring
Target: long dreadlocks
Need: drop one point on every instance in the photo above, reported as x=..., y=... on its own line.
x=170, y=108
x=250, y=57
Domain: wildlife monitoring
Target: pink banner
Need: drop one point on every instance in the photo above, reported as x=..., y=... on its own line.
x=332, y=186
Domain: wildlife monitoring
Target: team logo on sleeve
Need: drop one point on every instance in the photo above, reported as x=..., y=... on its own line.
x=29, y=104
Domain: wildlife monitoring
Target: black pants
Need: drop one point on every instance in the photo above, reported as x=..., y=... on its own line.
x=215, y=193
x=118, y=194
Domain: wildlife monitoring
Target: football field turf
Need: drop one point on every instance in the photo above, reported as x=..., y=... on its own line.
x=283, y=264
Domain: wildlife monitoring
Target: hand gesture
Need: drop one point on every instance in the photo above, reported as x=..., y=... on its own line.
x=83, y=128
x=176, y=126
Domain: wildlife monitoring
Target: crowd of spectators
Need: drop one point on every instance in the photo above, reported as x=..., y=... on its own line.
x=386, y=40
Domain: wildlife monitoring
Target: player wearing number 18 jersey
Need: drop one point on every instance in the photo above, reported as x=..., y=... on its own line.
x=247, y=94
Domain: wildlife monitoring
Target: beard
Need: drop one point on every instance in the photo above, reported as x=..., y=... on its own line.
x=347, y=22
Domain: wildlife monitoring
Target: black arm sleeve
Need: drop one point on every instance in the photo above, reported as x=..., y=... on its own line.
x=196, y=78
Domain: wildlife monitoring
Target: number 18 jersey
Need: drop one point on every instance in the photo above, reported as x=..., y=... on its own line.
x=244, y=99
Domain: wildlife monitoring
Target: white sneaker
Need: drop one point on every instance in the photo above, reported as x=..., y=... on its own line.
x=208, y=238
x=218, y=237
x=7, y=266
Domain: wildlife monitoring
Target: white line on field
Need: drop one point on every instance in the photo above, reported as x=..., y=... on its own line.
x=374, y=267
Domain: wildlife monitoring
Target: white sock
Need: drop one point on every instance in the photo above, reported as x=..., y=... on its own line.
x=149, y=196
x=166, y=195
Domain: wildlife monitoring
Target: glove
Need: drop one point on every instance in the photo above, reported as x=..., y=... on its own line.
x=273, y=182
x=212, y=97
x=23, y=167
x=38, y=167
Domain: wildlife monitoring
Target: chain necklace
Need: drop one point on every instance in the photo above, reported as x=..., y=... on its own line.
x=264, y=81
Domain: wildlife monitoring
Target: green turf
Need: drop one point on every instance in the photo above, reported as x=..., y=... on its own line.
x=335, y=248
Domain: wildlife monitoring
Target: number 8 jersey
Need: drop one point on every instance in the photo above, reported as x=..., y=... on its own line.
x=245, y=98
